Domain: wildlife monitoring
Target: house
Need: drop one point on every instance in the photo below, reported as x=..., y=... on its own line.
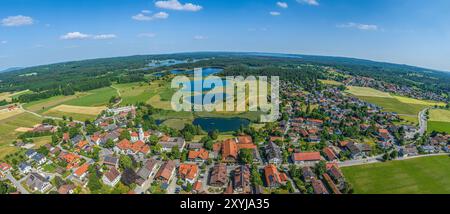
x=198, y=156
x=229, y=151
x=318, y=187
x=306, y=157
x=24, y=167
x=129, y=177
x=336, y=175
x=409, y=151
x=37, y=182
x=30, y=153
x=329, y=154
x=166, y=172
x=241, y=180
x=66, y=189
x=307, y=174
x=331, y=184
x=428, y=149
x=4, y=167
x=273, y=178
x=197, y=188
x=188, y=172
x=111, y=161
x=219, y=176
x=39, y=159
x=82, y=171
x=168, y=143
x=147, y=169
x=273, y=153
x=112, y=177
x=127, y=147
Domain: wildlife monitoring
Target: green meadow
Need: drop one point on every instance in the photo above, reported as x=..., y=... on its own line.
x=427, y=175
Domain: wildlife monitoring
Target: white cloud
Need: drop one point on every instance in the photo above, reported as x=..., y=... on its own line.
x=3, y=42
x=104, y=36
x=282, y=4
x=199, y=37
x=358, y=26
x=75, y=36
x=146, y=11
x=309, y=2
x=275, y=13
x=147, y=35
x=14, y=21
x=82, y=36
x=176, y=5
x=143, y=17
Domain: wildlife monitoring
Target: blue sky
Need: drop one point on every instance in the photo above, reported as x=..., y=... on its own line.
x=415, y=32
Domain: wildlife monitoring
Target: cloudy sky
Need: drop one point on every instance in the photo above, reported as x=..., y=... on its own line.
x=415, y=32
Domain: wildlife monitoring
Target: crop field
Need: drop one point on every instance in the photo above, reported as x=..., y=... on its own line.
x=46, y=104
x=331, y=82
x=10, y=130
x=439, y=120
x=407, y=108
x=79, y=109
x=5, y=114
x=427, y=175
x=366, y=92
x=97, y=97
x=9, y=96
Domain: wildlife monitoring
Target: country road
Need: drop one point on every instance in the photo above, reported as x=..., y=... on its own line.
x=423, y=122
x=46, y=117
x=16, y=183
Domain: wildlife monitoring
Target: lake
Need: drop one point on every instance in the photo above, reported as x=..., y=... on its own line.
x=221, y=124
x=206, y=71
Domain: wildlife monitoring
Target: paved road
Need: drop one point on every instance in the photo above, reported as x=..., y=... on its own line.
x=423, y=122
x=46, y=117
x=16, y=183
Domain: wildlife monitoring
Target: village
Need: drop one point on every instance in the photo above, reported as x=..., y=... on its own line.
x=302, y=153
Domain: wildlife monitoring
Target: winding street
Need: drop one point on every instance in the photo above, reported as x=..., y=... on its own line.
x=423, y=122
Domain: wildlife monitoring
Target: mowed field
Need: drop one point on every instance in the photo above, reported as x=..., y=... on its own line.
x=133, y=93
x=427, y=175
x=9, y=96
x=407, y=108
x=439, y=120
x=80, y=113
x=10, y=130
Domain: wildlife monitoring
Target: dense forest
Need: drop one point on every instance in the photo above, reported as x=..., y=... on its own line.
x=70, y=77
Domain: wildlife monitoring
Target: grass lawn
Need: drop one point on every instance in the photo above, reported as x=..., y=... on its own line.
x=75, y=116
x=133, y=93
x=428, y=175
x=8, y=131
x=177, y=124
x=97, y=97
x=439, y=120
x=438, y=126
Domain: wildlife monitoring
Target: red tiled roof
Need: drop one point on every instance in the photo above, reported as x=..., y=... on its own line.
x=272, y=175
x=202, y=154
x=188, y=171
x=307, y=156
x=245, y=139
x=330, y=154
x=82, y=169
x=229, y=149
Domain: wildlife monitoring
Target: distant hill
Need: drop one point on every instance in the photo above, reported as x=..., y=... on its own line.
x=11, y=69
x=89, y=74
